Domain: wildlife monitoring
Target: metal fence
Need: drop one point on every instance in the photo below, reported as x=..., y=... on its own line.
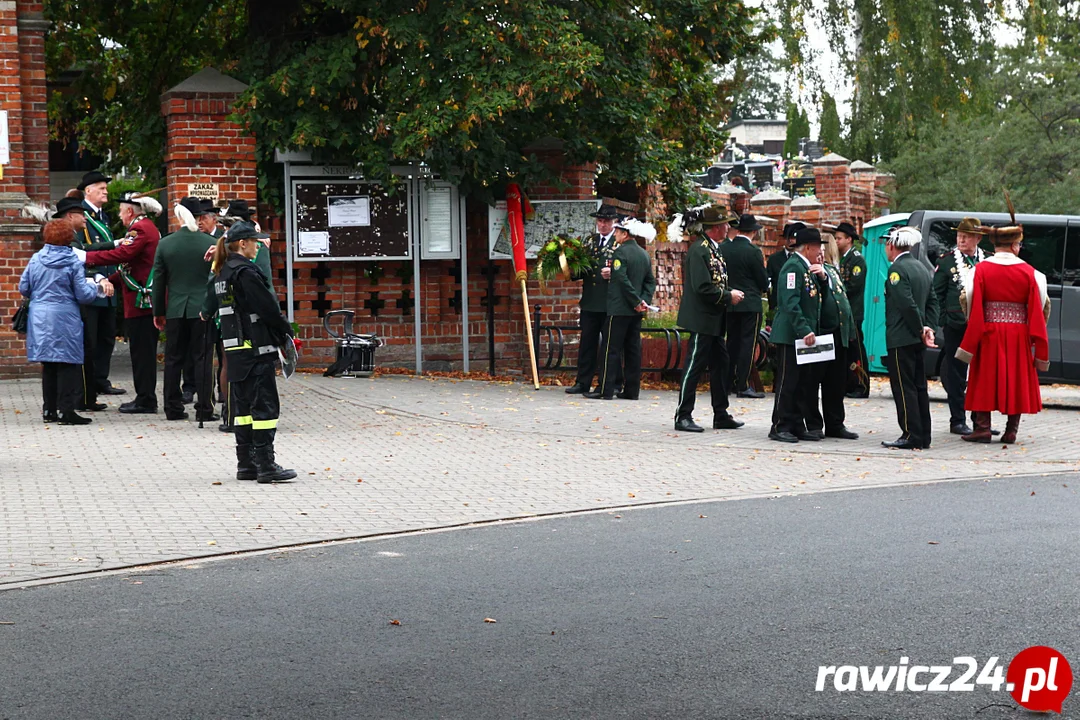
x=555, y=338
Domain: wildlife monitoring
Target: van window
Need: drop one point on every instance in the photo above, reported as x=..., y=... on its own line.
x=1044, y=246
x=1071, y=273
x=940, y=238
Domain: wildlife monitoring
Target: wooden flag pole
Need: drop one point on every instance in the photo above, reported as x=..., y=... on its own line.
x=529, y=332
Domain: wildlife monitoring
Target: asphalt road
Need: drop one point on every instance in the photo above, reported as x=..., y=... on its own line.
x=659, y=613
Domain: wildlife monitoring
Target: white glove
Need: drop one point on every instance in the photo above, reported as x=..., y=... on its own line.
x=81, y=254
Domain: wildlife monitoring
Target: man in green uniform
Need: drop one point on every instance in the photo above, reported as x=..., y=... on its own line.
x=853, y=273
x=910, y=316
x=948, y=281
x=593, y=304
x=778, y=258
x=180, y=273
x=703, y=309
x=630, y=291
x=798, y=317
x=832, y=375
x=746, y=272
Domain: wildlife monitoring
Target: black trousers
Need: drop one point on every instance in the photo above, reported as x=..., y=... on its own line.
x=858, y=383
x=96, y=322
x=907, y=378
x=953, y=373
x=590, y=359
x=789, y=392
x=742, y=330
x=622, y=336
x=704, y=351
x=61, y=387
x=142, y=344
x=254, y=400
x=184, y=336
x=831, y=377
x=104, y=342
x=187, y=382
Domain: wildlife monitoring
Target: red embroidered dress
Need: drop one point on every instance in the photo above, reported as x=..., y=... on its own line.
x=1006, y=340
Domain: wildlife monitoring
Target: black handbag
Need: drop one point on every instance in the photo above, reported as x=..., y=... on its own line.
x=21, y=319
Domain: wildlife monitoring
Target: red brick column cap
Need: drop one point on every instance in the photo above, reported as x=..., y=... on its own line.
x=831, y=159
x=806, y=202
x=860, y=166
x=770, y=197
x=206, y=82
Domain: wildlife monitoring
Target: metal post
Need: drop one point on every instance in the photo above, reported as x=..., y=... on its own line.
x=536, y=325
x=491, y=316
x=414, y=233
x=290, y=231
x=464, y=246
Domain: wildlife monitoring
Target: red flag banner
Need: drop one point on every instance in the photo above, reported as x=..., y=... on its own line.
x=517, y=205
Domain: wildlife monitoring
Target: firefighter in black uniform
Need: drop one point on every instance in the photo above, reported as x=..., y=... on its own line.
x=252, y=329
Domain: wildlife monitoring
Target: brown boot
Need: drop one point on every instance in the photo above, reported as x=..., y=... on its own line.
x=981, y=433
x=1011, y=426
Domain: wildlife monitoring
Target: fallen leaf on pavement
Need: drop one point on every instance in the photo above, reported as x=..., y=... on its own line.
x=212, y=542
x=933, y=542
x=395, y=622
x=489, y=620
x=216, y=482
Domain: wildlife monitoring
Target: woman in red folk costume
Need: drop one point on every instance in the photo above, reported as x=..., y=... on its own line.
x=1006, y=341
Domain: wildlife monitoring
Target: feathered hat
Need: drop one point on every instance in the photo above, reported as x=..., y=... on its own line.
x=904, y=237
x=1005, y=234
x=637, y=228
x=146, y=204
x=186, y=211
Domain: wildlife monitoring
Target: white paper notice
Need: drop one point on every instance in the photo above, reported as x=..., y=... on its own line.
x=822, y=350
x=348, y=211
x=314, y=243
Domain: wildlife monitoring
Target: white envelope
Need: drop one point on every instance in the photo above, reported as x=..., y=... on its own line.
x=822, y=350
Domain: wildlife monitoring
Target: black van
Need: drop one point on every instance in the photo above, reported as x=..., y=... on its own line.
x=1051, y=246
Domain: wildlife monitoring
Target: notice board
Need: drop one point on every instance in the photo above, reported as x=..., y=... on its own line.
x=349, y=220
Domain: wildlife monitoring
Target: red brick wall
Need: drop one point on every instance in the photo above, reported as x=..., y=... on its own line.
x=16, y=248
x=832, y=182
x=202, y=145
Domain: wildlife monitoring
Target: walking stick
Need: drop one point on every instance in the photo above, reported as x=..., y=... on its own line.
x=529, y=333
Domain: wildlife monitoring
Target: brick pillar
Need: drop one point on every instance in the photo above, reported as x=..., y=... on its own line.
x=26, y=176
x=807, y=209
x=832, y=182
x=776, y=205
x=202, y=145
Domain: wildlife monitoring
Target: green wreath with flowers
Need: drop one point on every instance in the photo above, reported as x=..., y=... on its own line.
x=564, y=257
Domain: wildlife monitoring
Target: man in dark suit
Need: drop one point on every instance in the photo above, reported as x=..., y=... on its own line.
x=706, y=297
x=180, y=277
x=778, y=258
x=99, y=317
x=910, y=317
x=208, y=223
x=853, y=273
x=798, y=317
x=593, y=304
x=746, y=272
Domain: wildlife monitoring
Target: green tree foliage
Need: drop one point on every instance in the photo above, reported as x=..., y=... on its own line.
x=1029, y=143
x=757, y=93
x=829, y=136
x=466, y=85
x=122, y=56
x=798, y=127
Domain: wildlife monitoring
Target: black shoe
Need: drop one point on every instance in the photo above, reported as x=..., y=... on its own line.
x=624, y=396
x=751, y=393
x=187, y=397
x=783, y=436
x=96, y=407
x=50, y=417
x=688, y=425
x=857, y=395
x=245, y=463
x=110, y=390
x=726, y=422
x=992, y=432
x=225, y=428
x=961, y=429
x=618, y=388
x=70, y=418
x=811, y=435
x=576, y=390
x=207, y=418
x=842, y=434
x=133, y=408
x=903, y=444
x=597, y=395
x=176, y=416
x=268, y=470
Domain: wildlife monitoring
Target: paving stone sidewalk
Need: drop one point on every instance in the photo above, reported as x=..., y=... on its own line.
x=399, y=453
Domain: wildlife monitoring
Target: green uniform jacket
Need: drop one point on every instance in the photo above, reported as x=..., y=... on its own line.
x=594, y=288
x=853, y=272
x=772, y=269
x=947, y=291
x=910, y=302
x=836, y=309
x=706, y=294
x=180, y=274
x=631, y=279
x=262, y=261
x=798, y=303
x=96, y=236
x=746, y=272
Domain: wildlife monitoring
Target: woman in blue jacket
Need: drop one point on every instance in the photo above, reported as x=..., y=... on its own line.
x=56, y=285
